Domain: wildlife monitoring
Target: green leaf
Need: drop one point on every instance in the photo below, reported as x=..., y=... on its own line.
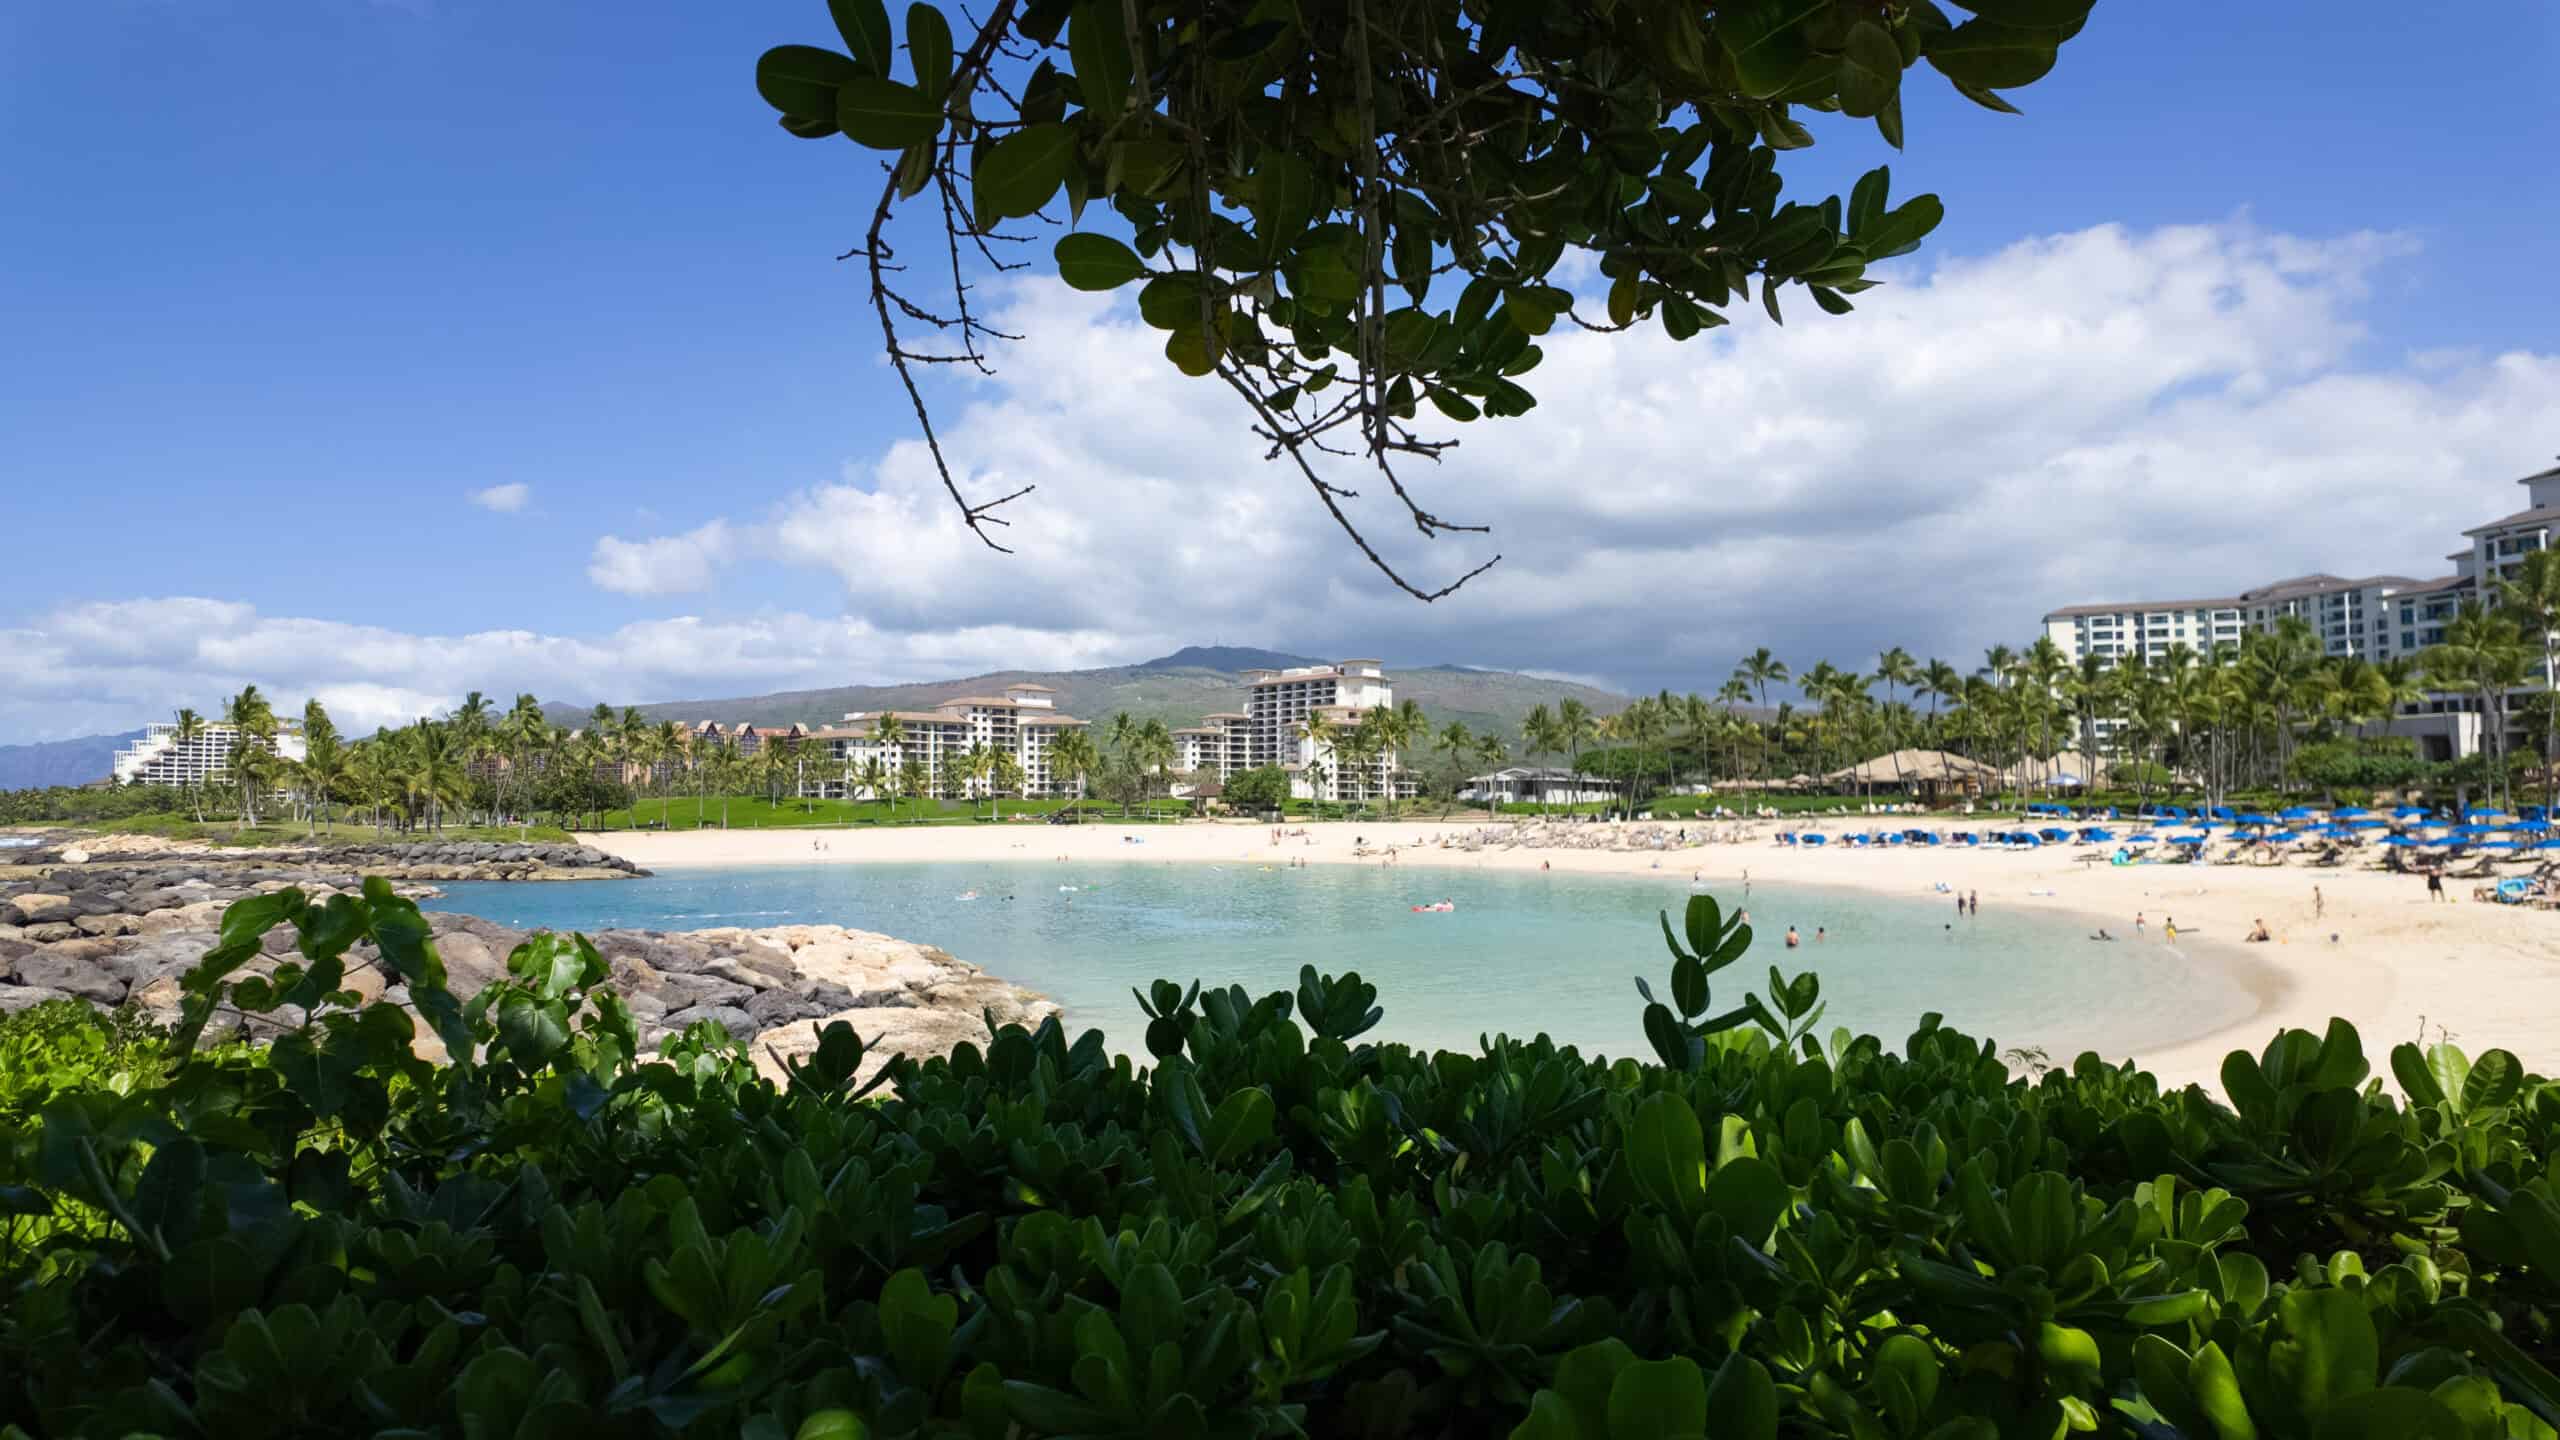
x=1193, y=353
x=1743, y=1399
x=2389, y=1414
x=832, y=1424
x=1242, y=1121
x=1284, y=202
x=1750, y=1194
x=1659, y=1397
x=2051, y=14
x=2494, y=1080
x=929, y=50
x=1867, y=198
x=1583, y=1380
x=2216, y=1388
x=1900, y=231
x=1766, y=40
x=1022, y=171
x=1992, y=55
x=1667, y=1153
x=918, y=1325
x=2417, y=1081
x=1870, y=70
x=884, y=114
x=865, y=27
x=801, y=80
x=2451, y=1069
x=1098, y=45
x=2330, y=1351
x=532, y=1030
x=1087, y=261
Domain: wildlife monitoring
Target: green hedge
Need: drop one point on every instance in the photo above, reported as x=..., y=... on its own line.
x=1279, y=1226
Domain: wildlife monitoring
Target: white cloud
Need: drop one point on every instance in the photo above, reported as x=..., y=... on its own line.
x=666, y=565
x=506, y=499
x=2110, y=413
x=2101, y=415
x=84, y=669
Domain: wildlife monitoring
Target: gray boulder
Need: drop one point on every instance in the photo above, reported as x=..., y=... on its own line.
x=72, y=976
x=14, y=998
x=740, y=1023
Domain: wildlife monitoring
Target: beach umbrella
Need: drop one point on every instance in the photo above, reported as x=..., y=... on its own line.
x=2369, y=824
x=2403, y=841
x=2254, y=818
x=2483, y=812
x=2497, y=844
x=2296, y=812
x=2284, y=837
x=2154, y=839
x=2351, y=811
x=2188, y=839
x=2409, y=812
x=2441, y=842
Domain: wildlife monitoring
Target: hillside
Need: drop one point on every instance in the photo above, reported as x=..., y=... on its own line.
x=1178, y=689
x=61, y=762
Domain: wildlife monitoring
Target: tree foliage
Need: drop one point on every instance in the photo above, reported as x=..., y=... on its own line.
x=1254, y=791
x=1348, y=210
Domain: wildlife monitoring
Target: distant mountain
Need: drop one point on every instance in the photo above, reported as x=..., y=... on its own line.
x=61, y=762
x=1178, y=689
x=1232, y=659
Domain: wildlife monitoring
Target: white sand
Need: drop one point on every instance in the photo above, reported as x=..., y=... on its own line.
x=2489, y=974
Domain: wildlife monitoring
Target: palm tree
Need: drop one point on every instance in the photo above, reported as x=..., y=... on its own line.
x=1152, y=750
x=1538, y=733
x=1456, y=745
x=1895, y=668
x=977, y=765
x=1004, y=772
x=1324, y=741
x=323, y=767
x=2533, y=594
x=254, y=721
x=891, y=733
x=190, y=729
x=1758, y=669
x=1492, y=753
x=521, y=735
x=876, y=776
x=914, y=779
x=1574, y=727
x=1941, y=682
x=1072, y=755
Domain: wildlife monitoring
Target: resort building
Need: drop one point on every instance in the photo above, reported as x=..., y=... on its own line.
x=160, y=757
x=2375, y=617
x=1286, y=709
x=1022, y=722
x=1538, y=785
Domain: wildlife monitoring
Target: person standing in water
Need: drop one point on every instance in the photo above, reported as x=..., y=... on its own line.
x=1792, y=939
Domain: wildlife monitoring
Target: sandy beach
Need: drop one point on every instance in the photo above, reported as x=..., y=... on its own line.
x=2487, y=974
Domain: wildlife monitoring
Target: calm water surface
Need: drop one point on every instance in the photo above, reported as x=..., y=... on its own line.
x=1523, y=953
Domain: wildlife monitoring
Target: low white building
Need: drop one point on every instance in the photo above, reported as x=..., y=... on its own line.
x=160, y=757
x=1023, y=722
x=1538, y=785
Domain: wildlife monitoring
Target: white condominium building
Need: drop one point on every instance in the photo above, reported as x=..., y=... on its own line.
x=2376, y=617
x=1272, y=730
x=1023, y=721
x=161, y=758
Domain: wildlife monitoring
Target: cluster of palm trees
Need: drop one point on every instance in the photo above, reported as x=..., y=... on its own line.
x=2229, y=718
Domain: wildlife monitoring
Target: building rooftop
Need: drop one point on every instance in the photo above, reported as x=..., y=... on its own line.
x=1026, y=685
x=2130, y=606
x=2551, y=474
x=1053, y=720
x=2538, y=515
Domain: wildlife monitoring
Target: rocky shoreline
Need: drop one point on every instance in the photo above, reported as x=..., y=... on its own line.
x=119, y=927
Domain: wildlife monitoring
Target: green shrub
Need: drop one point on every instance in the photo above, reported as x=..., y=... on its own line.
x=1280, y=1225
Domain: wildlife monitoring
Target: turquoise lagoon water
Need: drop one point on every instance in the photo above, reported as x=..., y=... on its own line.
x=1522, y=953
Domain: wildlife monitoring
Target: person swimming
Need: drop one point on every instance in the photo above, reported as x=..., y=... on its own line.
x=1792, y=939
x=2102, y=934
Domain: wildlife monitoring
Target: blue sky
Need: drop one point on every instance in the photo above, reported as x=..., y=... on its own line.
x=286, y=280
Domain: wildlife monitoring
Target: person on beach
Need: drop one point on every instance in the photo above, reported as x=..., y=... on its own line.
x=2140, y=929
x=2102, y=934
x=1959, y=903
x=1973, y=902
x=2257, y=935
x=1792, y=940
x=2319, y=906
x=2169, y=929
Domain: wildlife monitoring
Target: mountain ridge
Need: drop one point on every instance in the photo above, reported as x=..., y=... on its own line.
x=76, y=761
x=1180, y=689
